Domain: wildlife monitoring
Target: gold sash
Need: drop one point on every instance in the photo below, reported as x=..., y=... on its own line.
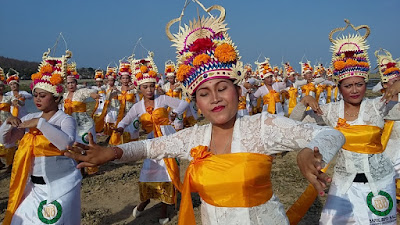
x=307, y=88
x=271, y=99
x=123, y=98
x=174, y=94
x=73, y=106
x=328, y=93
x=336, y=93
x=33, y=144
x=5, y=107
x=292, y=99
x=319, y=90
x=242, y=103
x=15, y=110
x=228, y=180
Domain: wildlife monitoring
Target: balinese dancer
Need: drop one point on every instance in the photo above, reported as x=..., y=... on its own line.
x=7, y=151
x=390, y=73
x=363, y=188
x=332, y=91
x=45, y=185
x=126, y=98
x=111, y=105
x=155, y=181
x=307, y=87
x=74, y=104
x=291, y=90
x=97, y=115
x=270, y=91
x=18, y=108
x=320, y=87
x=232, y=156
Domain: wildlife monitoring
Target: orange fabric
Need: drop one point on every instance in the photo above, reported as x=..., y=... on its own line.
x=292, y=99
x=363, y=139
x=387, y=131
x=271, y=99
x=319, y=90
x=33, y=144
x=228, y=180
x=174, y=94
x=73, y=106
x=97, y=103
x=328, y=93
x=151, y=121
x=242, y=103
x=307, y=88
x=123, y=97
x=15, y=110
x=5, y=107
x=336, y=93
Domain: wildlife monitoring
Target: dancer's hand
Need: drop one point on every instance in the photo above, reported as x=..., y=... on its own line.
x=32, y=123
x=391, y=91
x=310, y=164
x=92, y=154
x=312, y=102
x=13, y=121
x=119, y=130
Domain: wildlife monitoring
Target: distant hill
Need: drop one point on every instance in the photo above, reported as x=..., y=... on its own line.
x=26, y=68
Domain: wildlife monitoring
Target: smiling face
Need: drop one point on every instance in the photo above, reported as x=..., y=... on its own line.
x=218, y=100
x=147, y=89
x=353, y=89
x=44, y=100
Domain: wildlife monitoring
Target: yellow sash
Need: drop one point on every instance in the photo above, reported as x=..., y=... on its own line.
x=242, y=103
x=73, y=106
x=228, y=180
x=292, y=99
x=33, y=144
x=174, y=94
x=336, y=93
x=328, y=93
x=363, y=139
x=152, y=120
x=306, y=89
x=5, y=107
x=97, y=103
x=15, y=110
x=319, y=90
x=271, y=99
x=123, y=97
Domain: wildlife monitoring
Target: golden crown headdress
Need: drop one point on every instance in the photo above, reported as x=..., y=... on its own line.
x=349, y=53
x=112, y=71
x=205, y=51
x=12, y=76
x=144, y=70
x=99, y=75
x=288, y=70
x=125, y=68
x=306, y=67
x=387, y=66
x=52, y=73
x=169, y=68
x=264, y=68
x=71, y=70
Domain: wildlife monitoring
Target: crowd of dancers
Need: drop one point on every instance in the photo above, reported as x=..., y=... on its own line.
x=253, y=114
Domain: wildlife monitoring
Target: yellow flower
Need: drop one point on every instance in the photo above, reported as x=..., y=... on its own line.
x=56, y=79
x=183, y=72
x=225, y=53
x=143, y=69
x=201, y=59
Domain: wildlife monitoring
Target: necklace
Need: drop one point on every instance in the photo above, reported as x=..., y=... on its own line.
x=351, y=115
x=226, y=145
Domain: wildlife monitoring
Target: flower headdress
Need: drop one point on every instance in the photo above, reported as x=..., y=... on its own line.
x=124, y=68
x=329, y=72
x=306, y=67
x=350, y=57
x=288, y=70
x=51, y=74
x=2, y=76
x=12, y=77
x=205, y=52
x=144, y=70
x=264, y=69
x=319, y=70
x=388, y=68
x=99, y=75
x=169, y=68
x=71, y=71
x=111, y=72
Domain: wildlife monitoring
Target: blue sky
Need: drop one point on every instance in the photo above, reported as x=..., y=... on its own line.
x=99, y=32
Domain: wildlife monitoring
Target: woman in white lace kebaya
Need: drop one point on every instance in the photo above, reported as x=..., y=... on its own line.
x=363, y=188
x=231, y=157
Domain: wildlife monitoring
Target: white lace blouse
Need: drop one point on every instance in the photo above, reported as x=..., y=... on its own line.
x=262, y=133
x=378, y=168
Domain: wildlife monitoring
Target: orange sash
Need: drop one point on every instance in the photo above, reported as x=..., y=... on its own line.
x=228, y=180
x=271, y=99
x=33, y=144
x=319, y=90
x=5, y=107
x=336, y=93
x=73, y=106
x=15, y=110
x=363, y=139
x=174, y=94
x=242, y=103
x=328, y=93
x=292, y=99
x=123, y=97
x=152, y=121
x=307, y=88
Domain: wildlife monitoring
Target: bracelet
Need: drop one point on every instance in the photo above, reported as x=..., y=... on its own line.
x=115, y=153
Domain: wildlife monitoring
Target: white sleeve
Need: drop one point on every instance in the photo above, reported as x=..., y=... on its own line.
x=86, y=92
x=129, y=117
x=26, y=95
x=258, y=93
x=377, y=88
x=61, y=138
x=279, y=86
x=176, y=145
x=282, y=134
x=9, y=134
x=178, y=106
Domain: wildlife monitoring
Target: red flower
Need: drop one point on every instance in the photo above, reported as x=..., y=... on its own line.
x=390, y=65
x=349, y=54
x=201, y=44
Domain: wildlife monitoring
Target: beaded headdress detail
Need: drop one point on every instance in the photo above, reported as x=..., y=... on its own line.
x=12, y=77
x=124, y=68
x=388, y=68
x=71, y=71
x=111, y=72
x=52, y=73
x=144, y=70
x=306, y=67
x=99, y=75
x=349, y=53
x=288, y=70
x=205, y=51
x=169, y=68
x=264, y=69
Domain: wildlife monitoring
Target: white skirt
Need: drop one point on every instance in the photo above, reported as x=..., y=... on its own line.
x=35, y=210
x=360, y=206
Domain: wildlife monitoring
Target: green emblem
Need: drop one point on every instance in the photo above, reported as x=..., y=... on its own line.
x=136, y=124
x=49, y=213
x=84, y=138
x=380, y=205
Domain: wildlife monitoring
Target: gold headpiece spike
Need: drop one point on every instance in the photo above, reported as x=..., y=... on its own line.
x=368, y=30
